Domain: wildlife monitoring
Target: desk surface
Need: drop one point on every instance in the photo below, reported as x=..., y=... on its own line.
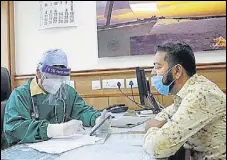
x=118, y=146
x=22, y=152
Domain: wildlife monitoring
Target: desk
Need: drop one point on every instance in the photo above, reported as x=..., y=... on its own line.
x=120, y=146
x=112, y=149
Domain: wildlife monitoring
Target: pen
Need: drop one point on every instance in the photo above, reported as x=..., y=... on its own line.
x=99, y=125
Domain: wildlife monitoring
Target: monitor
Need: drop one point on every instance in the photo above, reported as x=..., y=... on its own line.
x=146, y=97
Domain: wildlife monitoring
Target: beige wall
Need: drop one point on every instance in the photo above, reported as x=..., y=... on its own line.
x=105, y=97
x=5, y=62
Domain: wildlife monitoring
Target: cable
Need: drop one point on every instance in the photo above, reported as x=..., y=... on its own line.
x=156, y=105
x=156, y=108
x=139, y=105
x=131, y=84
x=132, y=94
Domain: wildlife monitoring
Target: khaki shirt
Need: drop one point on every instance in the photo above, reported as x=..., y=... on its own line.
x=197, y=120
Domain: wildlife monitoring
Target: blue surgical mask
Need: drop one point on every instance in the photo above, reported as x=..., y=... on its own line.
x=158, y=84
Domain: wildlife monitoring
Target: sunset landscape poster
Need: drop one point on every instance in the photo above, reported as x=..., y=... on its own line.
x=128, y=28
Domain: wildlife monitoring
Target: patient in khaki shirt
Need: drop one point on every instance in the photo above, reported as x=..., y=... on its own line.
x=196, y=119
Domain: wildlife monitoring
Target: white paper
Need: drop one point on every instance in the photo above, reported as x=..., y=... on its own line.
x=59, y=145
x=126, y=121
x=117, y=147
x=70, y=136
x=138, y=128
x=120, y=116
x=57, y=14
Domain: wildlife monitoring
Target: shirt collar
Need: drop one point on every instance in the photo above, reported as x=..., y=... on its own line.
x=35, y=89
x=184, y=90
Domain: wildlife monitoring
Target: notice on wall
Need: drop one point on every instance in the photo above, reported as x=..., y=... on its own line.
x=57, y=14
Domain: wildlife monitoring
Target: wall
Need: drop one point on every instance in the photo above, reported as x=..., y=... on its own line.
x=102, y=98
x=80, y=43
x=4, y=36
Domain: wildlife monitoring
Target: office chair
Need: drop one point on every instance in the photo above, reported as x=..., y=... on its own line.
x=5, y=91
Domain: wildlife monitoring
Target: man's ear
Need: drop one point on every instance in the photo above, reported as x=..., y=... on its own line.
x=178, y=71
x=38, y=73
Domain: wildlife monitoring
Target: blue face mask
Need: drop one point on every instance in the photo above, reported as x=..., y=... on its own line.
x=159, y=86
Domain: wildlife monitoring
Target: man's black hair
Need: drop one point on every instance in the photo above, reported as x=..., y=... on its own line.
x=179, y=53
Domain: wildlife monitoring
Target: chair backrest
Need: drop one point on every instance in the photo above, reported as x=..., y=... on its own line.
x=5, y=91
x=5, y=84
x=3, y=104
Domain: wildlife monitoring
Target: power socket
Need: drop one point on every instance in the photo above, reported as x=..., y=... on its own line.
x=112, y=83
x=134, y=80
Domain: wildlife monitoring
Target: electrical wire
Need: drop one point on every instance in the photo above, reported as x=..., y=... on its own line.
x=139, y=105
x=150, y=100
x=132, y=93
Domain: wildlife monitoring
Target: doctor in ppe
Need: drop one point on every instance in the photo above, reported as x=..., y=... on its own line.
x=46, y=106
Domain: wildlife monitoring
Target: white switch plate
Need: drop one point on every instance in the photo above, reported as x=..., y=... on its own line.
x=112, y=83
x=96, y=84
x=134, y=80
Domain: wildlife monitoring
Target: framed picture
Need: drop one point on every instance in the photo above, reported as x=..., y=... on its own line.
x=130, y=28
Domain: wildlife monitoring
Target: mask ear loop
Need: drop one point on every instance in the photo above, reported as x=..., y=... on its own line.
x=177, y=69
x=172, y=82
x=166, y=73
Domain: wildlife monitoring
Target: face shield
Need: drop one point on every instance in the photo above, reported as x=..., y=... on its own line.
x=55, y=81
